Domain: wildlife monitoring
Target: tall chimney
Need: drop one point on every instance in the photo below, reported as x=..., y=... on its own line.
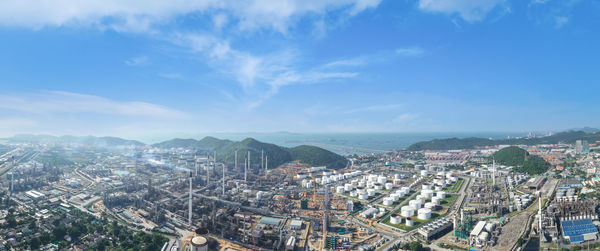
x=190, y=202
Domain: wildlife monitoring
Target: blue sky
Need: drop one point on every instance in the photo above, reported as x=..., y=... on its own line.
x=134, y=68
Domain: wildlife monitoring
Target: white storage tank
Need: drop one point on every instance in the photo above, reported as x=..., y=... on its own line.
x=362, y=184
x=339, y=189
x=415, y=203
x=490, y=227
x=441, y=194
x=484, y=236
x=436, y=200
x=407, y=211
x=361, y=191
x=420, y=198
x=348, y=187
x=424, y=214
x=371, y=192
x=427, y=193
x=395, y=197
x=424, y=173
x=387, y=201
x=199, y=243
x=378, y=187
x=409, y=222
x=395, y=219
x=430, y=205
x=353, y=193
x=363, y=196
x=389, y=186
x=426, y=187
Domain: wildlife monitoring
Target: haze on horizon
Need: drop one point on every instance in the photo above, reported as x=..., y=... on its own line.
x=135, y=68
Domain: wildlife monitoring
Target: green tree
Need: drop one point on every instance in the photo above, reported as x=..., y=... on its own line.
x=35, y=243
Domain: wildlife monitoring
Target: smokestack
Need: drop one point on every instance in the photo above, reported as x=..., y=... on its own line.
x=196, y=164
x=190, y=202
x=246, y=170
x=266, y=163
x=235, y=162
x=494, y=171
x=540, y=212
x=262, y=160
x=249, y=160
x=224, y=178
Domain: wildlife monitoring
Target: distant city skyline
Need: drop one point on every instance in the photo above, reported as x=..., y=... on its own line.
x=136, y=69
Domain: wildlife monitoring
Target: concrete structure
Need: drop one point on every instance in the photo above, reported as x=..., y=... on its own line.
x=199, y=243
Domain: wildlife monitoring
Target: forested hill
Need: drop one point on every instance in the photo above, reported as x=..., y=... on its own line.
x=521, y=160
x=471, y=143
x=277, y=155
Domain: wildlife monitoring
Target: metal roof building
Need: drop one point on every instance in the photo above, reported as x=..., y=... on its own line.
x=270, y=221
x=578, y=231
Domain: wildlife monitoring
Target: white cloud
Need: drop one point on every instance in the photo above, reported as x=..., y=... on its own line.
x=53, y=102
x=560, y=21
x=387, y=107
x=260, y=76
x=405, y=118
x=411, y=51
x=143, y=15
x=469, y=10
x=137, y=61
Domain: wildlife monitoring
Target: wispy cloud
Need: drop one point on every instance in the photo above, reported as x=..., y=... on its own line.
x=145, y=16
x=468, y=10
x=411, y=51
x=560, y=21
x=52, y=102
x=372, y=108
x=137, y=61
x=172, y=75
x=259, y=75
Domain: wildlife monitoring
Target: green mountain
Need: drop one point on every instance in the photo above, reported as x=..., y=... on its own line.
x=471, y=143
x=68, y=139
x=522, y=161
x=277, y=155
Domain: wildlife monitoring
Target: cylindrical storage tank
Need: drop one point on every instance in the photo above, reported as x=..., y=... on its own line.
x=353, y=193
x=389, y=186
x=484, y=236
x=371, y=192
x=372, y=177
x=348, y=187
x=438, y=188
x=407, y=211
x=259, y=195
x=395, y=197
x=395, y=219
x=415, y=203
x=420, y=198
x=490, y=227
x=409, y=222
x=441, y=194
x=426, y=186
x=363, y=196
x=361, y=191
x=362, y=184
x=199, y=243
x=405, y=189
x=381, y=179
x=378, y=187
x=430, y=205
x=339, y=189
x=424, y=214
x=436, y=200
x=397, y=176
x=424, y=173
x=427, y=193
x=387, y=201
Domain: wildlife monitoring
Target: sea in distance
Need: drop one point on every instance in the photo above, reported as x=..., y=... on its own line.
x=348, y=143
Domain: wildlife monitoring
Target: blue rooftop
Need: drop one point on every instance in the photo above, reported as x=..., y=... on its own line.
x=575, y=229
